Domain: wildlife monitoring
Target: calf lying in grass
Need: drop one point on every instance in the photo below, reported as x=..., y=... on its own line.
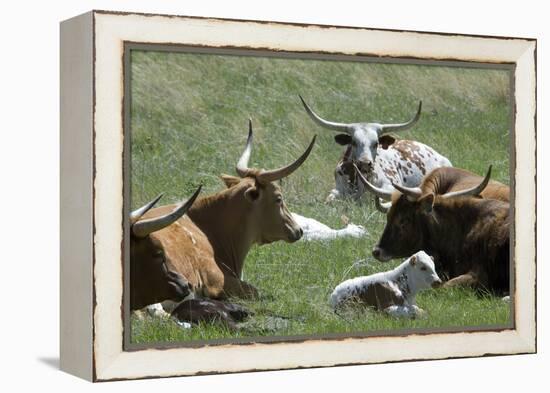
x=314, y=230
x=393, y=291
x=192, y=311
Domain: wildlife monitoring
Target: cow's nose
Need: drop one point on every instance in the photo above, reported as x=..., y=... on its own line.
x=364, y=166
x=376, y=252
x=295, y=234
x=298, y=234
x=437, y=284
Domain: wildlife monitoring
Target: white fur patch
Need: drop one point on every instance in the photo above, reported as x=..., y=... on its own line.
x=315, y=230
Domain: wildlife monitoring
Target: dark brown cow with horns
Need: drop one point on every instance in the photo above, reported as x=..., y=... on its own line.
x=208, y=246
x=470, y=236
x=447, y=181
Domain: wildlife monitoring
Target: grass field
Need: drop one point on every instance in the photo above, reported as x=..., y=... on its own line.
x=189, y=118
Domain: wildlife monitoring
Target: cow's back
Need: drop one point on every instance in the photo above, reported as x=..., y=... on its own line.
x=406, y=162
x=188, y=249
x=448, y=179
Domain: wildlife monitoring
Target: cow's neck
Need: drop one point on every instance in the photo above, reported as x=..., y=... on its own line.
x=400, y=276
x=452, y=219
x=224, y=223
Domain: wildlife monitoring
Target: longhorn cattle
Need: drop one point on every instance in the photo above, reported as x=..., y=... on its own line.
x=449, y=182
x=469, y=236
x=208, y=246
x=153, y=277
x=381, y=158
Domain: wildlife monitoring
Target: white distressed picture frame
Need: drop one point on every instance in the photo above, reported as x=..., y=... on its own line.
x=92, y=116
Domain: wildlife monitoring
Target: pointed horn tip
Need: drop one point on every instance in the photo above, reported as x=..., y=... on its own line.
x=488, y=174
x=195, y=194
x=156, y=199
x=199, y=188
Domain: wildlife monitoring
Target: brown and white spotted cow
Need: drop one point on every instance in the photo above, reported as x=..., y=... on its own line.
x=208, y=246
x=382, y=158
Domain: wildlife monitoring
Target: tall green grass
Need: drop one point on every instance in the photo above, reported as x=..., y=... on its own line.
x=189, y=116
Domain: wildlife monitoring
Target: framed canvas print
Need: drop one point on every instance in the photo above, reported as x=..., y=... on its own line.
x=246, y=195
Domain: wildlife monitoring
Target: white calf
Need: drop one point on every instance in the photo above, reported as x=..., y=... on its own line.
x=315, y=230
x=393, y=291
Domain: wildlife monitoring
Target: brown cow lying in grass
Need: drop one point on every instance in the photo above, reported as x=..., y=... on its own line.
x=207, y=248
x=451, y=182
x=153, y=277
x=470, y=236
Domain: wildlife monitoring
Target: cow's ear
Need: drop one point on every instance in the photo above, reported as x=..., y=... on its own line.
x=386, y=141
x=252, y=194
x=230, y=181
x=412, y=260
x=342, y=139
x=427, y=203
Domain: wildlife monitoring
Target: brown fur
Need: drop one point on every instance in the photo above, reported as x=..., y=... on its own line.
x=410, y=152
x=380, y=296
x=152, y=278
x=469, y=236
x=448, y=179
x=208, y=246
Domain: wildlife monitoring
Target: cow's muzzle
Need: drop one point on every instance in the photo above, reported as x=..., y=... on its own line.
x=295, y=234
x=437, y=284
x=181, y=288
x=365, y=166
x=380, y=254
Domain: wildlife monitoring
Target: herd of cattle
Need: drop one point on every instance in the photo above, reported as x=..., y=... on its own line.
x=446, y=221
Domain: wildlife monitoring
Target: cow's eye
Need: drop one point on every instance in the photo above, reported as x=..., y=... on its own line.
x=279, y=199
x=423, y=268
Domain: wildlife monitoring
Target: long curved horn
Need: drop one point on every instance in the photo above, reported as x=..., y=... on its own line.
x=242, y=164
x=385, y=128
x=340, y=127
x=145, y=227
x=382, y=207
x=471, y=191
x=380, y=193
x=136, y=214
x=276, y=174
x=412, y=193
